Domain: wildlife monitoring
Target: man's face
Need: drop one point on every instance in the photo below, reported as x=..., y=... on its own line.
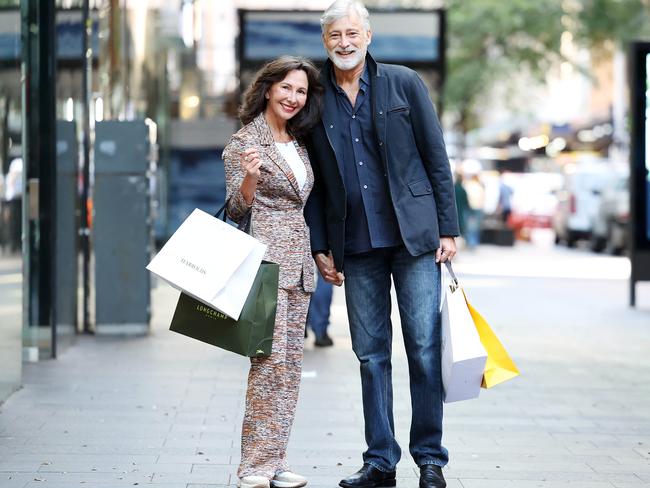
x=346, y=41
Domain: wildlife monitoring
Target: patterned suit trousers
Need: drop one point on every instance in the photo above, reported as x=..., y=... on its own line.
x=272, y=395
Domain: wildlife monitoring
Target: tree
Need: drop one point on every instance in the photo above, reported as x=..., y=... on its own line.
x=602, y=25
x=490, y=41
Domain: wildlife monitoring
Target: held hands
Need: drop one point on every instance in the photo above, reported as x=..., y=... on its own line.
x=251, y=163
x=328, y=271
x=447, y=249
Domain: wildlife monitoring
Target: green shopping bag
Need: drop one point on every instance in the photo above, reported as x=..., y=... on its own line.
x=251, y=335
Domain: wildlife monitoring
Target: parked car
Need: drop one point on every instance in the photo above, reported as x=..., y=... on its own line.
x=579, y=199
x=534, y=202
x=609, y=228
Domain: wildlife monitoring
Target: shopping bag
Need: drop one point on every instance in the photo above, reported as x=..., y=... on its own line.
x=499, y=367
x=462, y=354
x=211, y=261
x=251, y=335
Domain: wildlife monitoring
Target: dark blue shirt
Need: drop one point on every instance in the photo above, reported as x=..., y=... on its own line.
x=370, y=221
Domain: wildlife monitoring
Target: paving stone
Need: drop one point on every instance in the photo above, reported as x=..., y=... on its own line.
x=166, y=411
x=474, y=483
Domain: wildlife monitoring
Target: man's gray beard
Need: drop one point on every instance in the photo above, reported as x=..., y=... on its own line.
x=347, y=64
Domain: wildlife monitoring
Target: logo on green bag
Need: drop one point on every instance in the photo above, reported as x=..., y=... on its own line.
x=211, y=312
x=259, y=351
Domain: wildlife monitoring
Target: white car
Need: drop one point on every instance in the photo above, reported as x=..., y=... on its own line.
x=579, y=199
x=609, y=229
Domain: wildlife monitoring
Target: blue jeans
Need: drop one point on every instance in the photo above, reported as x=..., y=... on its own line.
x=367, y=293
x=318, y=316
x=473, y=224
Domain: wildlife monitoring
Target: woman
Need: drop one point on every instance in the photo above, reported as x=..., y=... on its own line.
x=268, y=173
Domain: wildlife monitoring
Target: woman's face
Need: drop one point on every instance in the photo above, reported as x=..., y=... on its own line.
x=287, y=97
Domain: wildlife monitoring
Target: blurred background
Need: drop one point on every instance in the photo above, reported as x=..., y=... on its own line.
x=114, y=113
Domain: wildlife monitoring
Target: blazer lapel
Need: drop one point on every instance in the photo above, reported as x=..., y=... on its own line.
x=328, y=117
x=267, y=142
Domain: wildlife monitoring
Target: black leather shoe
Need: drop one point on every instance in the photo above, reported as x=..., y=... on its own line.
x=431, y=476
x=369, y=477
x=323, y=341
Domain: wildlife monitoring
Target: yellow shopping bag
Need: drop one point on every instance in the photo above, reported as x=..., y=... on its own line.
x=499, y=367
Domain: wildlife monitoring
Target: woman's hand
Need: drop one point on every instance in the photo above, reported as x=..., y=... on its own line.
x=325, y=263
x=251, y=163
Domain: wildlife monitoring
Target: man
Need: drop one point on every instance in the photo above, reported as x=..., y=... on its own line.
x=504, y=207
x=383, y=207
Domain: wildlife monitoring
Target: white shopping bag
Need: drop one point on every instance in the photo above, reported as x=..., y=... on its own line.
x=463, y=355
x=210, y=260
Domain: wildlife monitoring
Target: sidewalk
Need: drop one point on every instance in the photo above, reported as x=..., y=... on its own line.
x=10, y=323
x=165, y=411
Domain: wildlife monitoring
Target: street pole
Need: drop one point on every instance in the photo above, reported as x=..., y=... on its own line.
x=84, y=229
x=39, y=157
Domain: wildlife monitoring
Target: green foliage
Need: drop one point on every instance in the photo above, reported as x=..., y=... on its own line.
x=489, y=41
x=9, y=3
x=602, y=24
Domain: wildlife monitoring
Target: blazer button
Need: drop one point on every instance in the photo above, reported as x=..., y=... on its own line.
x=381, y=143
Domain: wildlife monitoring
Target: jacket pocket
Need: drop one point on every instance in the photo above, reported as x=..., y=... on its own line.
x=401, y=108
x=420, y=187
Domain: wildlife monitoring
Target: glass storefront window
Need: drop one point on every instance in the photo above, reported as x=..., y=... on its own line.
x=11, y=180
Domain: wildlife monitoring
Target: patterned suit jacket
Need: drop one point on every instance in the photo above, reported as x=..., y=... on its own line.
x=277, y=210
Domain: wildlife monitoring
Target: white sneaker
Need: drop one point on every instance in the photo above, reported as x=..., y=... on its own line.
x=254, y=482
x=287, y=479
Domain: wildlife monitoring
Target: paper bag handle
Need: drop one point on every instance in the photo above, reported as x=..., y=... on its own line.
x=452, y=274
x=222, y=210
x=244, y=225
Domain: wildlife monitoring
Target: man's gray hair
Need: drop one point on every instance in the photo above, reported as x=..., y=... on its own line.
x=340, y=9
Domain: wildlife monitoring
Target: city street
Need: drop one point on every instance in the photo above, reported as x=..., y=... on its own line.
x=387, y=122
x=166, y=411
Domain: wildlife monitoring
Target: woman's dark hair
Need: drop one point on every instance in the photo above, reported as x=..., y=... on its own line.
x=273, y=72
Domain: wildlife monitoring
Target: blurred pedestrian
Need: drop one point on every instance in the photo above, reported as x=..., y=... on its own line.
x=13, y=205
x=383, y=210
x=268, y=174
x=462, y=204
x=476, y=197
x=504, y=207
x=318, y=317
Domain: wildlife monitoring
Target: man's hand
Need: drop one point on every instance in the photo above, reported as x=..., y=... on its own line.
x=447, y=249
x=325, y=263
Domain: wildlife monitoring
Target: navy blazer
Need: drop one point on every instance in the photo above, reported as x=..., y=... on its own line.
x=413, y=152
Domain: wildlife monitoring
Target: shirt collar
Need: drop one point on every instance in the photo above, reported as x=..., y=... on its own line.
x=365, y=76
x=365, y=79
